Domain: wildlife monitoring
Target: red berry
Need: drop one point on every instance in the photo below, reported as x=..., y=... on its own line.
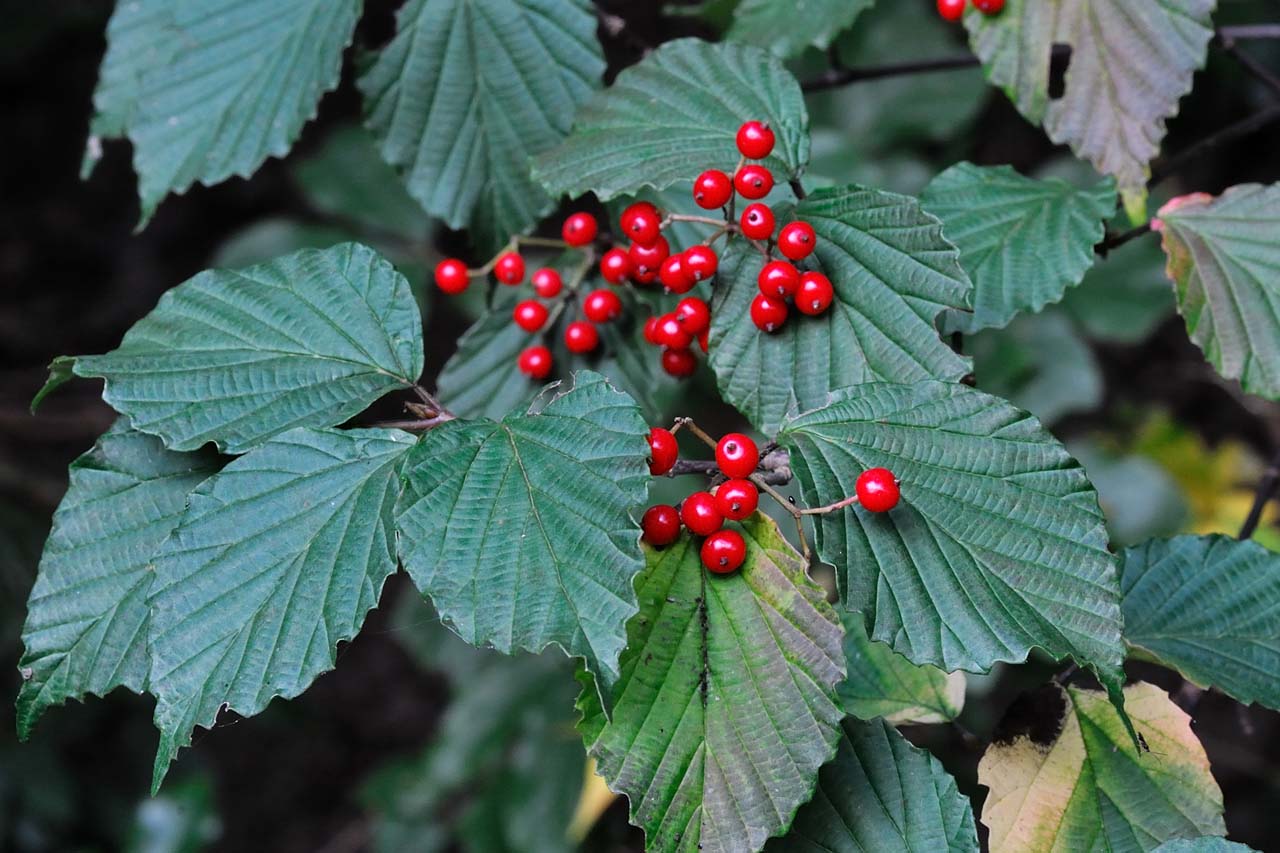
x=678, y=361
x=661, y=525
x=815, y=293
x=951, y=10
x=663, y=451
x=877, y=489
x=579, y=229
x=452, y=276
x=737, y=455
x=530, y=315
x=753, y=181
x=755, y=140
x=641, y=223
x=701, y=261
x=581, y=337
x=535, y=362
x=651, y=331
x=757, y=222
x=672, y=333
x=615, y=266
x=796, y=240
x=601, y=306
x=699, y=514
x=510, y=268
x=989, y=7
x=644, y=277
x=649, y=257
x=675, y=276
x=768, y=312
x=702, y=339
x=712, y=189
x=779, y=279
x=694, y=314
x=737, y=499
x=724, y=552
x=547, y=283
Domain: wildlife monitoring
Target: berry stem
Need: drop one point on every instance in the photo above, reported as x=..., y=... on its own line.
x=797, y=189
x=687, y=423
x=416, y=423
x=689, y=217
x=791, y=509
x=829, y=508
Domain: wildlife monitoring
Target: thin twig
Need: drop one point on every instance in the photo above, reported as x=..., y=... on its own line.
x=416, y=423
x=1245, y=32
x=707, y=468
x=1115, y=241
x=1268, y=486
x=1248, y=63
x=835, y=77
x=830, y=508
x=687, y=423
x=798, y=189
x=792, y=510
x=1244, y=127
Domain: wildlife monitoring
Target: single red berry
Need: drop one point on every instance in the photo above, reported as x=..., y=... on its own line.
x=674, y=275
x=649, y=257
x=641, y=223
x=724, y=552
x=672, y=333
x=510, y=268
x=877, y=489
x=651, y=331
x=644, y=277
x=678, y=361
x=661, y=525
x=768, y=312
x=755, y=140
x=989, y=7
x=615, y=266
x=663, y=451
x=702, y=339
x=796, y=240
x=815, y=293
x=694, y=314
x=753, y=181
x=701, y=262
x=712, y=189
x=757, y=222
x=951, y=10
x=601, y=306
x=699, y=514
x=779, y=279
x=452, y=276
x=547, y=283
x=579, y=229
x=737, y=499
x=530, y=315
x=737, y=455
x=535, y=362
x=581, y=337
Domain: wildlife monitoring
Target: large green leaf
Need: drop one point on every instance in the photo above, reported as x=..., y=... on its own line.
x=1225, y=266
x=1206, y=606
x=881, y=795
x=235, y=357
x=521, y=530
x=1064, y=775
x=86, y=629
x=997, y=547
x=893, y=274
x=277, y=559
x=882, y=683
x=673, y=115
x=787, y=27
x=1203, y=845
x=1023, y=242
x=468, y=90
x=726, y=707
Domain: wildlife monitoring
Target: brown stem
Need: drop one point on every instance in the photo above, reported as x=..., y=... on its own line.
x=416, y=423
x=687, y=423
x=829, y=508
x=1267, y=489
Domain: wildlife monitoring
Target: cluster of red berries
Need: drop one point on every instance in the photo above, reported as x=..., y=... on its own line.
x=953, y=10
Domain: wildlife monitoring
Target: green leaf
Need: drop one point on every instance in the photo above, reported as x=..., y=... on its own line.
x=1064, y=776
x=1023, y=242
x=726, y=707
x=675, y=114
x=787, y=27
x=997, y=547
x=1202, y=845
x=86, y=629
x=882, y=683
x=881, y=795
x=893, y=273
x=235, y=357
x=1226, y=273
x=277, y=559
x=468, y=90
x=520, y=530
x=1205, y=606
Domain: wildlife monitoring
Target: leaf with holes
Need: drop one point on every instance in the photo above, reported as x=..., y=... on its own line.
x=86, y=629
x=727, y=706
x=277, y=559
x=882, y=683
x=787, y=27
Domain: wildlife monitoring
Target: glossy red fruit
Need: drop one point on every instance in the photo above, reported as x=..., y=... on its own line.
x=641, y=223
x=661, y=525
x=779, y=279
x=547, y=283
x=989, y=7
x=951, y=10
x=753, y=181
x=737, y=456
x=649, y=257
x=737, y=499
x=663, y=451
x=712, y=189
x=815, y=294
x=755, y=140
x=796, y=240
x=452, y=276
x=674, y=275
x=672, y=333
x=702, y=339
x=644, y=277
x=530, y=315
x=535, y=362
x=877, y=489
x=701, y=261
x=579, y=229
x=651, y=331
x=694, y=314
x=679, y=361
x=769, y=313
x=699, y=514
x=615, y=266
x=510, y=268
x=757, y=222
x=581, y=337
x=601, y=306
x=724, y=552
